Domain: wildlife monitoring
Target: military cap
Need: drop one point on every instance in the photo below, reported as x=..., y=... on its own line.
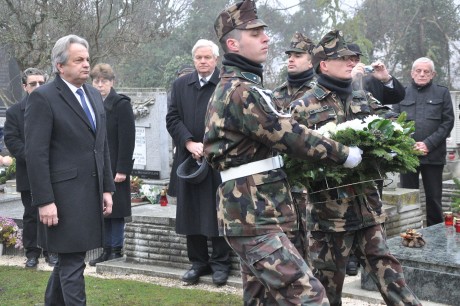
x=355, y=48
x=300, y=44
x=331, y=46
x=241, y=15
x=191, y=171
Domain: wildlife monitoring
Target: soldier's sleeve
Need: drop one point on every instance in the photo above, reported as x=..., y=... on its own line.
x=283, y=134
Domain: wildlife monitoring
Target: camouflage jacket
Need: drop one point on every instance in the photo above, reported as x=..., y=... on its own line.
x=241, y=127
x=345, y=208
x=285, y=94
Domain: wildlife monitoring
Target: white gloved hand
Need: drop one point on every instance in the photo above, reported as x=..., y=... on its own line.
x=354, y=157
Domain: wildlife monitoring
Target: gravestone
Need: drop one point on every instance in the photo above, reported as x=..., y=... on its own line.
x=433, y=271
x=152, y=150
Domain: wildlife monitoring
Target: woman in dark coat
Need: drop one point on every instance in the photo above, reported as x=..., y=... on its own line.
x=120, y=136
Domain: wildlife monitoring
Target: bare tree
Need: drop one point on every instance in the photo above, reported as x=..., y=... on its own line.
x=113, y=28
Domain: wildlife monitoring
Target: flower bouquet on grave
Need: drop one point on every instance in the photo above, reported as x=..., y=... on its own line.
x=135, y=186
x=10, y=234
x=387, y=147
x=151, y=193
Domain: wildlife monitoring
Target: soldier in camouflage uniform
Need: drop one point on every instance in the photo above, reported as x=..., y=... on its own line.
x=300, y=71
x=244, y=130
x=350, y=218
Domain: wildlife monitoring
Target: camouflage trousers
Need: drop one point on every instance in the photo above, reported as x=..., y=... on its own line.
x=328, y=255
x=274, y=273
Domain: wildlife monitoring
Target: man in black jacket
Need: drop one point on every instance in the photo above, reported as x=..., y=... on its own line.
x=429, y=105
x=384, y=87
x=196, y=215
x=32, y=78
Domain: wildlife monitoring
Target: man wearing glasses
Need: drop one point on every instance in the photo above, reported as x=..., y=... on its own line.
x=32, y=78
x=429, y=105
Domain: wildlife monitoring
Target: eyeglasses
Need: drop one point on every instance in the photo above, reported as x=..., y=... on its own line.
x=33, y=84
x=420, y=71
x=346, y=58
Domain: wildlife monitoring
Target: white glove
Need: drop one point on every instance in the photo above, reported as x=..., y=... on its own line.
x=354, y=157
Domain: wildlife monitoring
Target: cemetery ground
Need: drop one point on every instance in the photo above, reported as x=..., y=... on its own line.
x=21, y=286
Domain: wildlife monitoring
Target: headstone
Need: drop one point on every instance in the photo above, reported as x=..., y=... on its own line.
x=433, y=271
x=152, y=150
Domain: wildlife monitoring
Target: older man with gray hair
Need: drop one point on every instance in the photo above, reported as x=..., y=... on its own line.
x=196, y=215
x=429, y=105
x=69, y=167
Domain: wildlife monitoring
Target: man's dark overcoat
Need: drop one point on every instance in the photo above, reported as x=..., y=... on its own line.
x=14, y=140
x=196, y=212
x=121, y=133
x=68, y=164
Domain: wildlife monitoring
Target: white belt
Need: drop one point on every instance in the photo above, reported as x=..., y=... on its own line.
x=259, y=166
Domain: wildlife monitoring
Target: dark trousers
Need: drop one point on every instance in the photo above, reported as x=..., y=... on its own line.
x=197, y=249
x=114, y=231
x=30, y=224
x=432, y=183
x=66, y=285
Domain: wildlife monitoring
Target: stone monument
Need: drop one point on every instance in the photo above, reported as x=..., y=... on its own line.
x=152, y=150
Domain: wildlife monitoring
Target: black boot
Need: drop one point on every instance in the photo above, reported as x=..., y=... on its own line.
x=352, y=265
x=104, y=257
x=116, y=253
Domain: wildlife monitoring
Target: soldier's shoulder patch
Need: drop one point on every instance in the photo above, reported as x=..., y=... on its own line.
x=319, y=92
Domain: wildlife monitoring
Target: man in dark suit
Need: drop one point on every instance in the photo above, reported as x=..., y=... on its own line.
x=69, y=167
x=32, y=78
x=196, y=215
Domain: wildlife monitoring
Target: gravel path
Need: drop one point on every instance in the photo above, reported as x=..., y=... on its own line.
x=8, y=260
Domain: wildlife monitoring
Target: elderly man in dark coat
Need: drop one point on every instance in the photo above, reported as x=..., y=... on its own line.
x=121, y=133
x=429, y=106
x=68, y=163
x=196, y=215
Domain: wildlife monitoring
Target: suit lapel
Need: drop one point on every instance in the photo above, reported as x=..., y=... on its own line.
x=71, y=100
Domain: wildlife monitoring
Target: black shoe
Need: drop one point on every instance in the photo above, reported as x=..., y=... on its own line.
x=104, y=257
x=115, y=253
x=115, y=256
x=219, y=278
x=31, y=262
x=192, y=276
x=352, y=266
x=52, y=259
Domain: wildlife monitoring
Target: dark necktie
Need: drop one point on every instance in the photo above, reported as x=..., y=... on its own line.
x=203, y=82
x=86, y=108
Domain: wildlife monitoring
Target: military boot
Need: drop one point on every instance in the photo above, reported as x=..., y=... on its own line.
x=104, y=257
